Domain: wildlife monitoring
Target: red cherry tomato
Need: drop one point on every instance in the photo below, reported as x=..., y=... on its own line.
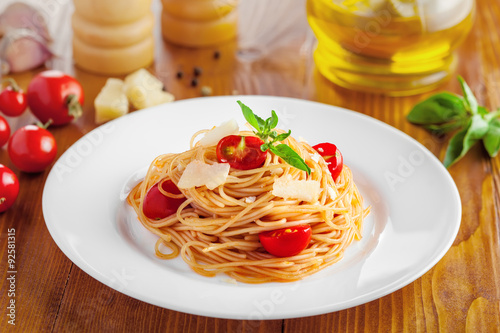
x=53, y=95
x=286, y=242
x=241, y=152
x=4, y=131
x=9, y=188
x=332, y=156
x=32, y=148
x=13, y=100
x=157, y=205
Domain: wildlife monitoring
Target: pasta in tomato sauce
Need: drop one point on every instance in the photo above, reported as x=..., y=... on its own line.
x=217, y=230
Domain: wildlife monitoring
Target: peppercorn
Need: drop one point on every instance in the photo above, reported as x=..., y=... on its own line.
x=197, y=71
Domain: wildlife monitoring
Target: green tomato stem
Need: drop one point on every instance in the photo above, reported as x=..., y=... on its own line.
x=11, y=82
x=74, y=106
x=46, y=125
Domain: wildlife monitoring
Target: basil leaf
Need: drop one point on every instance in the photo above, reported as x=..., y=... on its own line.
x=254, y=120
x=445, y=112
x=469, y=98
x=478, y=128
x=491, y=139
x=483, y=111
x=283, y=136
x=290, y=156
x=271, y=123
x=488, y=116
x=274, y=120
x=437, y=109
x=461, y=142
x=455, y=148
x=264, y=131
x=267, y=127
x=441, y=129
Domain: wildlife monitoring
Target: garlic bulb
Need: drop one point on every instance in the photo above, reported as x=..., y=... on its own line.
x=21, y=15
x=25, y=39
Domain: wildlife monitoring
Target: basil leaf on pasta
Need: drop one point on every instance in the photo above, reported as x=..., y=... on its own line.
x=290, y=156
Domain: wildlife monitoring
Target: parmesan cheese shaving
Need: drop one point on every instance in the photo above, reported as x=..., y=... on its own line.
x=305, y=190
x=315, y=157
x=198, y=173
x=213, y=136
x=230, y=281
x=331, y=192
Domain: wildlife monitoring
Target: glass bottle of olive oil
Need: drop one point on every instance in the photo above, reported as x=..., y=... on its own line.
x=395, y=47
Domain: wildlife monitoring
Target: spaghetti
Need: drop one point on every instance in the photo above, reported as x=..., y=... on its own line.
x=217, y=231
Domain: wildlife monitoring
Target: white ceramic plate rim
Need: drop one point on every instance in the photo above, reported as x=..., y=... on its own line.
x=412, y=195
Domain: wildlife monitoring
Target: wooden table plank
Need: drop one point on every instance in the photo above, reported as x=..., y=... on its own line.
x=88, y=305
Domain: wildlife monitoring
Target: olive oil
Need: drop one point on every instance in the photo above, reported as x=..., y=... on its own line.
x=395, y=47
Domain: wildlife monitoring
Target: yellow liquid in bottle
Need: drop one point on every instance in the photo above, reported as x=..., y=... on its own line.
x=393, y=47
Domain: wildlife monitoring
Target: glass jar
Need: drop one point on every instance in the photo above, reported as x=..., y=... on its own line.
x=394, y=47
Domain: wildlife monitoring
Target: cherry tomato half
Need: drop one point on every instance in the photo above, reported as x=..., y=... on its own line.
x=32, y=148
x=4, y=131
x=157, y=205
x=13, y=101
x=9, y=188
x=241, y=152
x=332, y=156
x=53, y=95
x=286, y=242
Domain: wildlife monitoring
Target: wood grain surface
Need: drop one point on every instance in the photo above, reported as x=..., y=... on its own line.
x=461, y=293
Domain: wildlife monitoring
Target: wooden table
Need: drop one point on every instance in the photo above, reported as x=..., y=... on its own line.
x=460, y=293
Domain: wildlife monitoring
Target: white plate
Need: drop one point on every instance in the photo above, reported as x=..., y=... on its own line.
x=415, y=214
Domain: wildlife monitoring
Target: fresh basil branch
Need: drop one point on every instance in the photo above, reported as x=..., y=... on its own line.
x=265, y=131
x=446, y=112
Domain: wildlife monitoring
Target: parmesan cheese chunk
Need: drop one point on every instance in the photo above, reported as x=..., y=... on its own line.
x=250, y=199
x=213, y=136
x=144, y=90
x=157, y=97
x=305, y=190
x=111, y=102
x=198, y=173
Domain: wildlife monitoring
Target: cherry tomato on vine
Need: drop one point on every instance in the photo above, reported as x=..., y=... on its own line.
x=286, y=242
x=4, y=131
x=332, y=156
x=55, y=96
x=13, y=100
x=241, y=152
x=32, y=148
x=9, y=188
x=157, y=205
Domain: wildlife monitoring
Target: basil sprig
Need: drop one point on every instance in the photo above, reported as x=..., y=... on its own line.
x=264, y=129
x=445, y=112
